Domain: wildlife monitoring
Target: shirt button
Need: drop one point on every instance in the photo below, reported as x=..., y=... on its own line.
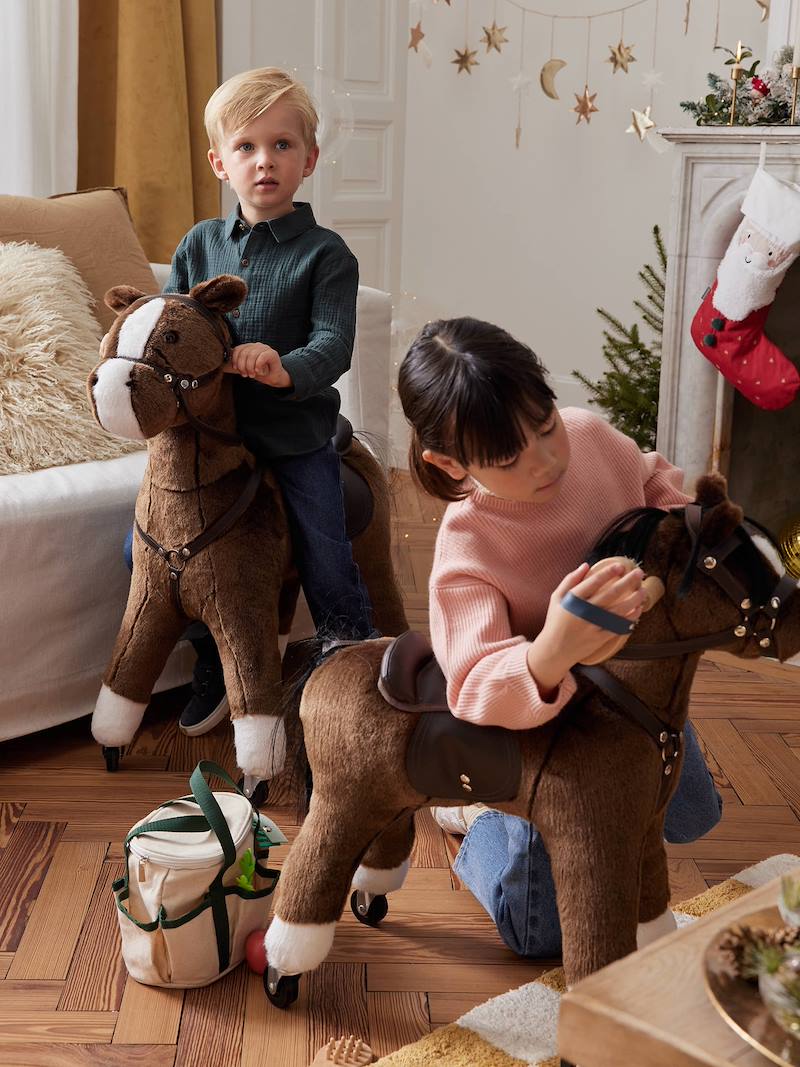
x=235, y=313
x=245, y=261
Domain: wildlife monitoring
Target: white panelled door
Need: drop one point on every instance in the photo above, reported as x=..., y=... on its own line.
x=360, y=195
x=355, y=47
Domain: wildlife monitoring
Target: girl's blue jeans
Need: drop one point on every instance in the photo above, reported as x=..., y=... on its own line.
x=503, y=862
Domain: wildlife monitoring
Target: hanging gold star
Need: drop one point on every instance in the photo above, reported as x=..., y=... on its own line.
x=764, y=5
x=494, y=36
x=641, y=123
x=416, y=36
x=621, y=56
x=585, y=106
x=465, y=60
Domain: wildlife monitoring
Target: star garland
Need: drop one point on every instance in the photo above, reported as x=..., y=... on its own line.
x=494, y=36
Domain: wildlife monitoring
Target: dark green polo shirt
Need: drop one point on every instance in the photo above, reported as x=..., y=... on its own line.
x=302, y=283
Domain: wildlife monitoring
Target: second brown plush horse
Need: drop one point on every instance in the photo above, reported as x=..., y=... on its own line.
x=211, y=534
x=595, y=780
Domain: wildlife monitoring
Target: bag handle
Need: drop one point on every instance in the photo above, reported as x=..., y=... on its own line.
x=212, y=817
x=207, y=803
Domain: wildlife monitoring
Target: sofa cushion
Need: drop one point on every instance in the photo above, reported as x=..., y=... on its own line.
x=49, y=343
x=93, y=229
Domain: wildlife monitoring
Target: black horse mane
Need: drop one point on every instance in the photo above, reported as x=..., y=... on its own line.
x=629, y=535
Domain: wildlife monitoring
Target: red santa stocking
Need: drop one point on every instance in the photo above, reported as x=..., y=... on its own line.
x=729, y=325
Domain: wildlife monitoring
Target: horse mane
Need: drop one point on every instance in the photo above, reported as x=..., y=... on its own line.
x=627, y=535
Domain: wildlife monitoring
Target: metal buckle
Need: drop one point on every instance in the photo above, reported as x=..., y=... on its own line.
x=670, y=749
x=176, y=561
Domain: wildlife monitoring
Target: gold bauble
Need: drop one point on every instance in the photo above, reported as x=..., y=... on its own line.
x=789, y=544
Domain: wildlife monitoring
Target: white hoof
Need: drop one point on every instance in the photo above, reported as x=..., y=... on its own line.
x=116, y=719
x=380, y=881
x=260, y=742
x=297, y=947
x=649, y=932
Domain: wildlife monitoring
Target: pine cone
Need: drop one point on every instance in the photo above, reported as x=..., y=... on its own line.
x=746, y=951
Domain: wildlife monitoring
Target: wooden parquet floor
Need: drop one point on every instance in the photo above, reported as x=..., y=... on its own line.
x=66, y=999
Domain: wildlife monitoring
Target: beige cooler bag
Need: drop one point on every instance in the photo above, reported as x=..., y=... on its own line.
x=194, y=885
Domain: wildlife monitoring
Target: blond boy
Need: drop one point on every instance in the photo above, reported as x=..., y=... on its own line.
x=294, y=338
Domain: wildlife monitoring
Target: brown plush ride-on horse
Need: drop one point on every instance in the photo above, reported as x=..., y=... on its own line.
x=211, y=540
x=595, y=781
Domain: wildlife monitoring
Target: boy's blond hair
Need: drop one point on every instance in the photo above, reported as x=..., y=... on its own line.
x=241, y=99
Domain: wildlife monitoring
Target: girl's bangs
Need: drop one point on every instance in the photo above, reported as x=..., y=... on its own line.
x=494, y=429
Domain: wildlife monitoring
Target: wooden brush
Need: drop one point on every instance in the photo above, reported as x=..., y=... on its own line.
x=346, y=1051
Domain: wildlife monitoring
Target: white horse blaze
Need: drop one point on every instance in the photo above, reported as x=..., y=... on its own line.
x=294, y=948
x=112, y=400
x=112, y=397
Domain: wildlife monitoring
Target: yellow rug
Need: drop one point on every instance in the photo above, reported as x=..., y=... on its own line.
x=518, y=1028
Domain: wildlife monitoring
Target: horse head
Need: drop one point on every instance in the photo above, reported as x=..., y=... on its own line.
x=163, y=359
x=724, y=583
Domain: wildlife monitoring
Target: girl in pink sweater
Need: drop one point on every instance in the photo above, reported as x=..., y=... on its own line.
x=531, y=489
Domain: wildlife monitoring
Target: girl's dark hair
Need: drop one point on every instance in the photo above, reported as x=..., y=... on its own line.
x=472, y=392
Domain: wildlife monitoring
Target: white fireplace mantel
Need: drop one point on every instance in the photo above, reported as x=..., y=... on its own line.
x=713, y=169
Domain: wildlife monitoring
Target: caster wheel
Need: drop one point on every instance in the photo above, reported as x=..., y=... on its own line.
x=286, y=991
x=375, y=913
x=259, y=795
x=112, y=758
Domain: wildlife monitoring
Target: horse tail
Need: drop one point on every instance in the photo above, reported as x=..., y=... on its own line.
x=301, y=660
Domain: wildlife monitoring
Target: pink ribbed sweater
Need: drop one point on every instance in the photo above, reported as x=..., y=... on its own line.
x=497, y=562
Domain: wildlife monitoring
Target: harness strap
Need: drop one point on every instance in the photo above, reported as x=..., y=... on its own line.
x=176, y=558
x=667, y=740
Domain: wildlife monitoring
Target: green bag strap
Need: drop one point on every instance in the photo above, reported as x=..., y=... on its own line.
x=212, y=811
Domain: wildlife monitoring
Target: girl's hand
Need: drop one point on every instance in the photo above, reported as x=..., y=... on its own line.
x=565, y=639
x=258, y=361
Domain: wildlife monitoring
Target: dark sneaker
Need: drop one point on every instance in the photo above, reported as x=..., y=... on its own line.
x=209, y=703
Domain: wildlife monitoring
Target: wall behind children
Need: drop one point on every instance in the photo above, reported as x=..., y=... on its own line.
x=536, y=237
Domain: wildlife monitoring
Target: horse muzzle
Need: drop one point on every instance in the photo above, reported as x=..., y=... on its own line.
x=130, y=400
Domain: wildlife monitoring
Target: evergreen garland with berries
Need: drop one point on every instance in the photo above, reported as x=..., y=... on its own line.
x=763, y=99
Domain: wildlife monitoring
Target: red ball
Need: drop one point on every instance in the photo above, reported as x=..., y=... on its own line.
x=255, y=953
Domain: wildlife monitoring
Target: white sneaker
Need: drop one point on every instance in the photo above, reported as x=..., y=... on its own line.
x=458, y=819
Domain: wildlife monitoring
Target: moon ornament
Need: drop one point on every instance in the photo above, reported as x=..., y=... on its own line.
x=547, y=77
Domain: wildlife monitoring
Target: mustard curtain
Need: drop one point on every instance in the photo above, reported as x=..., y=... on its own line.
x=146, y=70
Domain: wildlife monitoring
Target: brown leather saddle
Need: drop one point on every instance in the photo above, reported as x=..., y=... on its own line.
x=358, y=501
x=446, y=757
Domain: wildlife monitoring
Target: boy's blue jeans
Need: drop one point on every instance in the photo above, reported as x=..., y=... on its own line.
x=504, y=863
x=312, y=493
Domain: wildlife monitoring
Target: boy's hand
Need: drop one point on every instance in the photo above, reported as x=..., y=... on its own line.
x=260, y=362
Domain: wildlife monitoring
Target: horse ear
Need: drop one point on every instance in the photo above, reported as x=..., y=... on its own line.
x=223, y=293
x=723, y=515
x=711, y=489
x=121, y=296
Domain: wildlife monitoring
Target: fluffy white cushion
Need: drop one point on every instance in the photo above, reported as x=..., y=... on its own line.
x=49, y=342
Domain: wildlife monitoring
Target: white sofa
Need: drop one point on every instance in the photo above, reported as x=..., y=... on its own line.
x=63, y=582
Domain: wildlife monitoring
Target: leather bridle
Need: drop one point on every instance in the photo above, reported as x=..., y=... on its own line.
x=760, y=623
x=182, y=384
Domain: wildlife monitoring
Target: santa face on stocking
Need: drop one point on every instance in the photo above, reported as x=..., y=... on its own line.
x=728, y=327
x=751, y=271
